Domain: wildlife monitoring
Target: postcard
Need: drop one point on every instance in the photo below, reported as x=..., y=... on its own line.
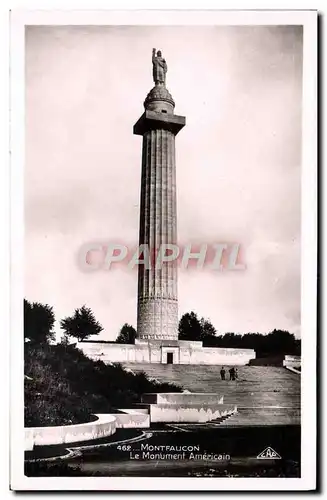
x=164, y=243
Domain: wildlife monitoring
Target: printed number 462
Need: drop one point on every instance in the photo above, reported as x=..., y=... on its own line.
x=125, y=447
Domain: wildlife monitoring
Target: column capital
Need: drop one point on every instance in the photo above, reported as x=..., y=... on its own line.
x=152, y=120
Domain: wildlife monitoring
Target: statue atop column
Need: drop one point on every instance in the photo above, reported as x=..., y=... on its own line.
x=159, y=68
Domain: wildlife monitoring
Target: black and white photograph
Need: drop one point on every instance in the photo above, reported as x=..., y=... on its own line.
x=164, y=290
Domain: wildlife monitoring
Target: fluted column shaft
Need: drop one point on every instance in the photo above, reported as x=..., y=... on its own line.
x=157, y=309
x=157, y=315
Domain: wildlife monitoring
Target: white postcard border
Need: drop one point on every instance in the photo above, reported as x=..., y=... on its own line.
x=308, y=245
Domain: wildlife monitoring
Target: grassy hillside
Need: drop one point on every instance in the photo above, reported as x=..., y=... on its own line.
x=63, y=386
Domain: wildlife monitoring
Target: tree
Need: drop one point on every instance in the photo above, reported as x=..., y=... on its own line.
x=208, y=331
x=189, y=327
x=277, y=342
x=281, y=341
x=64, y=340
x=81, y=325
x=38, y=322
x=126, y=335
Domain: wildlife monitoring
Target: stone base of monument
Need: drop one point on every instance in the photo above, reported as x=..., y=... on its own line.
x=186, y=407
x=165, y=352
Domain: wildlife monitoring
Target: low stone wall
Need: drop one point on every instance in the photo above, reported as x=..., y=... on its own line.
x=182, y=398
x=41, y=436
x=189, y=413
x=106, y=425
x=292, y=361
x=136, y=411
x=183, y=352
x=129, y=420
x=116, y=353
x=218, y=356
x=294, y=370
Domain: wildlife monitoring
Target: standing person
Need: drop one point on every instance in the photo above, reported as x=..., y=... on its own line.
x=222, y=373
x=236, y=374
x=232, y=374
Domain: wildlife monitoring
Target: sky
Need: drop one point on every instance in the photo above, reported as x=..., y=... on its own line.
x=238, y=162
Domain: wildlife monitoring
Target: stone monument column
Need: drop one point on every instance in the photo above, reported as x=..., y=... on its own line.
x=157, y=308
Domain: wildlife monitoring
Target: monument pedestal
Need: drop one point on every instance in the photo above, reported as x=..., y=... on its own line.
x=173, y=352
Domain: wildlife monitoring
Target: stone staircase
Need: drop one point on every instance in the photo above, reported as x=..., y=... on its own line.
x=264, y=395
